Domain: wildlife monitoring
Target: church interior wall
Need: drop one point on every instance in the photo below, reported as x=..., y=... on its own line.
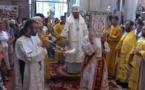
x=23, y=6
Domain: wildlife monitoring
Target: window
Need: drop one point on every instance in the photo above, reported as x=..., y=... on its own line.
x=52, y=8
x=78, y=2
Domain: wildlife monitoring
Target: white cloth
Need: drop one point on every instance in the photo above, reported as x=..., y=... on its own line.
x=30, y=51
x=45, y=29
x=87, y=47
x=75, y=34
x=97, y=47
x=4, y=37
x=88, y=76
x=75, y=8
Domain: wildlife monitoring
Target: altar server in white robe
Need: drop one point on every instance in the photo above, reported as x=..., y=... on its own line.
x=74, y=31
x=30, y=55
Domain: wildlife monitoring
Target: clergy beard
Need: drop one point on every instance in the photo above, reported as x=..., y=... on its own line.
x=76, y=17
x=33, y=33
x=128, y=29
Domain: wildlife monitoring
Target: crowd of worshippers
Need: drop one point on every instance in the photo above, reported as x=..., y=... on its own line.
x=12, y=29
x=31, y=44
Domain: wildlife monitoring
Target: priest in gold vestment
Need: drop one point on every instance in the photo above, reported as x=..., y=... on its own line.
x=58, y=28
x=124, y=47
x=137, y=76
x=114, y=36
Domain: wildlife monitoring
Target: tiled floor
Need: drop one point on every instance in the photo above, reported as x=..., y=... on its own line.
x=9, y=86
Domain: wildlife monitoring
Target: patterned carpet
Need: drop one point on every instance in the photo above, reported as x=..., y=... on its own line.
x=60, y=80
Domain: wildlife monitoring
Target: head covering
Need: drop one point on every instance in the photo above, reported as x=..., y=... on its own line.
x=75, y=8
x=38, y=19
x=40, y=15
x=12, y=21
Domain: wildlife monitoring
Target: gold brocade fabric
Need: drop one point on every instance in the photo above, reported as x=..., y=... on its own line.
x=58, y=29
x=135, y=65
x=126, y=44
x=114, y=36
x=47, y=68
x=59, y=54
x=46, y=61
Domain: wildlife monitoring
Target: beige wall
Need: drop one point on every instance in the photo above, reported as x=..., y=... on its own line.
x=142, y=2
x=101, y=5
x=22, y=4
x=97, y=5
x=5, y=2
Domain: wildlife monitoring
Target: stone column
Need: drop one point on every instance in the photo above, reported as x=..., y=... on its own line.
x=33, y=7
x=131, y=6
x=97, y=5
x=84, y=5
